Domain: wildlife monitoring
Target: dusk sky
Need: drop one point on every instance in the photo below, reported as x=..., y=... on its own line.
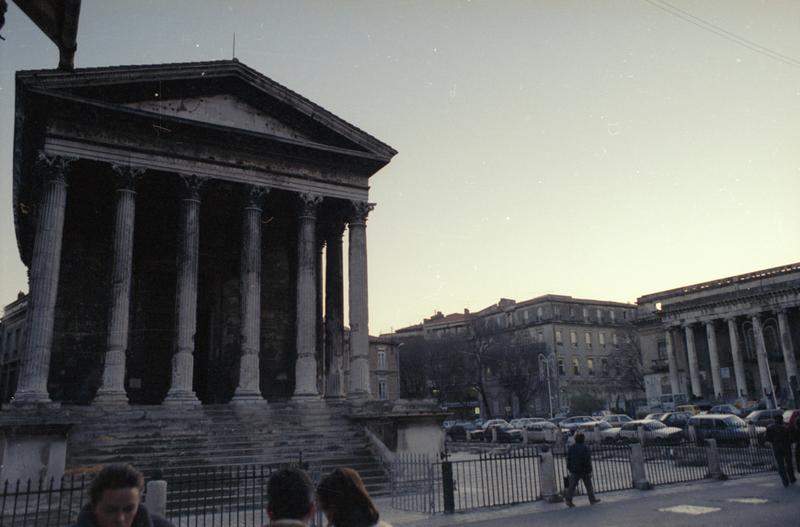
x=599, y=149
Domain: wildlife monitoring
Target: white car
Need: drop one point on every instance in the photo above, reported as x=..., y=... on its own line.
x=571, y=423
x=599, y=432
x=617, y=420
x=542, y=432
x=655, y=432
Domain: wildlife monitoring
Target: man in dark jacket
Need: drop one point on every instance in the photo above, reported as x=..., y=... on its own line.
x=779, y=436
x=579, y=465
x=114, y=498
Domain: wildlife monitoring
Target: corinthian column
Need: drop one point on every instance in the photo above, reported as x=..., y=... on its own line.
x=359, y=314
x=180, y=391
x=306, y=365
x=788, y=354
x=694, y=368
x=736, y=355
x=334, y=313
x=249, y=389
x=763, y=361
x=112, y=390
x=713, y=356
x=672, y=363
x=45, y=265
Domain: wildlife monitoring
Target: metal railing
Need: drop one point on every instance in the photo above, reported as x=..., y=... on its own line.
x=611, y=469
x=414, y=482
x=675, y=463
x=43, y=503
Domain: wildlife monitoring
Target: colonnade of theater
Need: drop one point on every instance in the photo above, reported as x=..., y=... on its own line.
x=310, y=333
x=743, y=336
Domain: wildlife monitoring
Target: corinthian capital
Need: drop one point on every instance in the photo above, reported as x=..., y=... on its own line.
x=309, y=203
x=54, y=167
x=126, y=176
x=191, y=186
x=254, y=196
x=360, y=211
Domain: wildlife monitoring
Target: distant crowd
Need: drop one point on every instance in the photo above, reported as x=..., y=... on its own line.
x=115, y=500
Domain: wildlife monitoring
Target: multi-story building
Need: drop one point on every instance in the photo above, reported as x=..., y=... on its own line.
x=580, y=347
x=724, y=340
x=13, y=332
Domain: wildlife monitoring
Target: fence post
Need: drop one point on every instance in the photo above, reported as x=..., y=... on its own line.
x=524, y=436
x=691, y=433
x=642, y=435
x=157, y=497
x=637, y=468
x=547, y=477
x=596, y=434
x=494, y=435
x=448, y=487
x=714, y=466
x=752, y=434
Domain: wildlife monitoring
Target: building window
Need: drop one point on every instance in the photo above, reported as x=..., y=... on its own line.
x=599, y=314
x=571, y=311
x=573, y=338
x=525, y=315
x=662, y=350
x=381, y=360
x=604, y=365
x=576, y=366
x=557, y=311
x=509, y=319
x=561, y=367
x=382, y=395
x=589, y=366
x=587, y=337
x=613, y=315
x=602, y=338
x=540, y=336
x=539, y=313
x=585, y=314
x=615, y=339
x=559, y=341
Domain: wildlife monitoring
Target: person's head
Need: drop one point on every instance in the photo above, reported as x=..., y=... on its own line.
x=345, y=501
x=115, y=494
x=290, y=495
x=579, y=439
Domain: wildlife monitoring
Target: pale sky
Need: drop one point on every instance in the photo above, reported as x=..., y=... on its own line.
x=599, y=149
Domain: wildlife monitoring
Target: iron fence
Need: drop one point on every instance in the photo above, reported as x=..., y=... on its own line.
x=611, y=469
x=413, y=482
x=44, y=503
x=675, y=463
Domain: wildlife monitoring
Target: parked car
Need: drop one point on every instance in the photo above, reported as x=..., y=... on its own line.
x=763, y=417
x=725, y=409
x=655, y=432
x=542, y=432
x=523, y=422
x=571, y=423
x=458, y=431
x=607, y=432
x=617, y=420
x=505, y=432
x=654, y=416
x=446, y=424
x=676, y=419
x=725, y=428
x=557, y=420
x=689, y=408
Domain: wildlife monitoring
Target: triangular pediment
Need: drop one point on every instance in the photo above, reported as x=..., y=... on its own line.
x=222, y=93
x=225, y=110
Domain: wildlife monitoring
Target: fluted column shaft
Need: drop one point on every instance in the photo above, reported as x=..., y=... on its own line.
x=334, y=314
x=713, y=356
x=112, y=391
x=788, y=353
x=763, y=361
x=186, y=296
x=44, y=270
x=694, y=368
x=249, y=389
x=736, y=355
x=672, y=363
x=358, y=297
x=306, y=365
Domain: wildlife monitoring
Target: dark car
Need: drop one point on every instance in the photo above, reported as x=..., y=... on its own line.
x=505, y=433
x=458, y=431
x=763, y=417
x=725, y=428
x=676, y=419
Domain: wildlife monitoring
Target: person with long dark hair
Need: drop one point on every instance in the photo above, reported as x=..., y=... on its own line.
x=346, y=502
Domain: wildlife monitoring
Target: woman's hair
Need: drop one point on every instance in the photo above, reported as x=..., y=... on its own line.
x=343, y=492
x=115, y=477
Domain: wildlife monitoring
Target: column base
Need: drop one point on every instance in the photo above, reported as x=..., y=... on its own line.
x=306, y=398
x=110, y=398
x=187, y=398
x=358, y=397
x=31, y=399
x=248, y=398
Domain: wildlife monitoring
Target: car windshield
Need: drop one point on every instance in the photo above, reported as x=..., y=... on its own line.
x=654, y=425
x=734, y=422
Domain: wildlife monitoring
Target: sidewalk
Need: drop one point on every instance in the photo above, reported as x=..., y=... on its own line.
x=662, y=493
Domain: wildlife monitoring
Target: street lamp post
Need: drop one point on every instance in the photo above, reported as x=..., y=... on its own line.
x=547, y=360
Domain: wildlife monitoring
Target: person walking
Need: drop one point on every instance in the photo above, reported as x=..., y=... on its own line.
x=345, y=501
x=779, y=436
x=290, y=498
x=579, y=465
x=115, y=501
